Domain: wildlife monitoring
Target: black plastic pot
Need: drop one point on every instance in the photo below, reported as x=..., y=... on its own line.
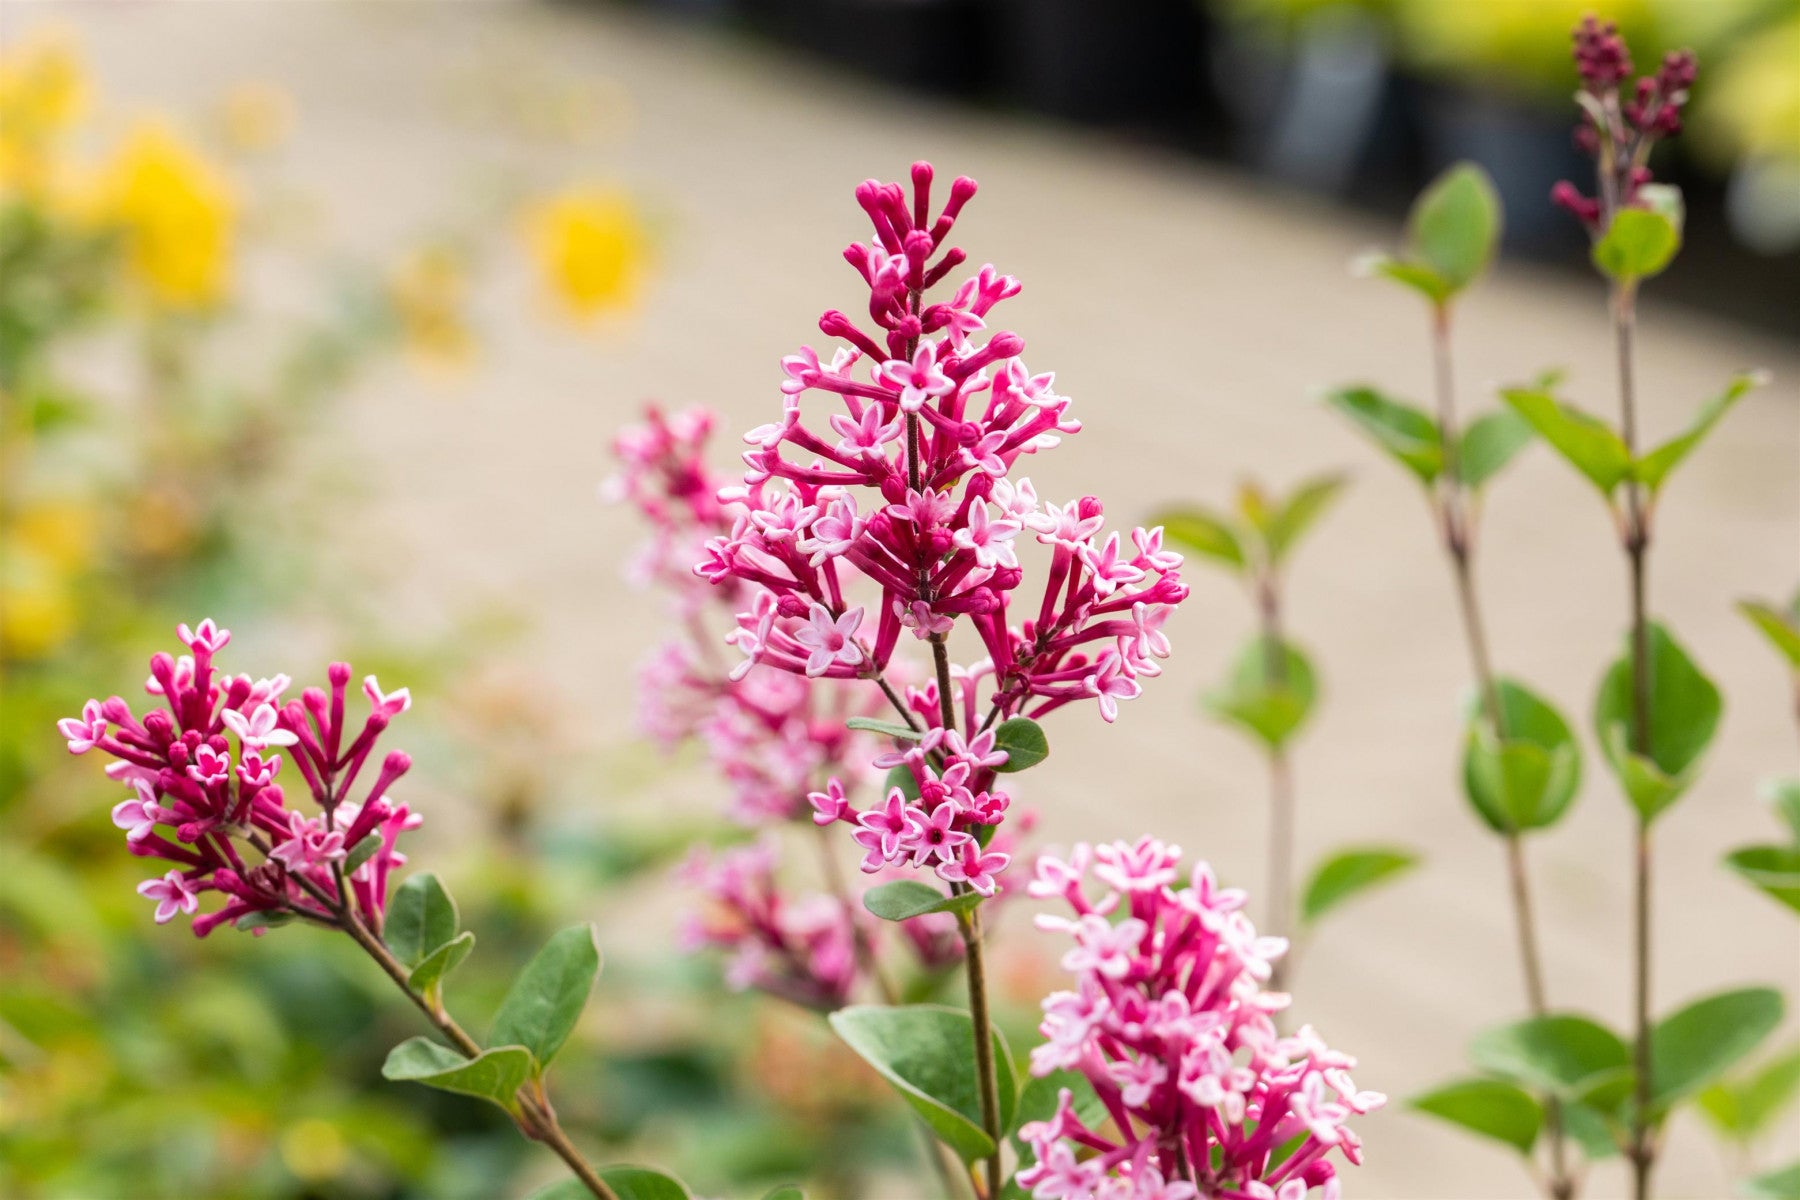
x=1103, y=61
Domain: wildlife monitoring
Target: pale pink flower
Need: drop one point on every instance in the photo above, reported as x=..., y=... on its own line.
x=260, y=729
x=172, y=895
x=85, y=732
x=830, y=639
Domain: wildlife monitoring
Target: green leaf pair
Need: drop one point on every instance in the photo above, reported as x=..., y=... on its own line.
x=925, y=1052
x=1270, y=693
x=1451, y=236
x=1743, y=1108
x=421, y=931
x=1528, y=778
x=1586, y=1069
x=1683, y=709
x=1263, y=531
x=1597, y=451
x=1412, y=437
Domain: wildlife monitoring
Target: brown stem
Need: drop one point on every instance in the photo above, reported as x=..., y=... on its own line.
x=986, y=1078
x=940, y=658
x=1279, y=878
x=1457, y=528
x=1637, y=552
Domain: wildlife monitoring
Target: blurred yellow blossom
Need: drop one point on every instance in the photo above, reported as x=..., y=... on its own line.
x=429, y=291
x=1526, y=41
x=591, y=248
x=255, y=117
x=1754, y=102
x=44, y=546
x=44, y=90
x=62, y=532
x=178, y=215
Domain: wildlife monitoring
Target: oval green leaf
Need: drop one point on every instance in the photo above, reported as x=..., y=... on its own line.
x=1691, y=1048
x=1349, y=873
x=904, y=899
x=1772, y=870
x=495, y=1075
x=1454, y=227
x=926, y=1053
x=1529, y=779
x=1585, y=442
x=1407, y=434
x=430, y=973
x=421, y=916
x=1492, y=1108
x=1684, y=710
x=891, y=729
x=1489, y=443
x=1270, y=692
x=1204, y=533
x=1637, y=245
x=1024, y=742
x=1561, y=1053
x=545, y=1001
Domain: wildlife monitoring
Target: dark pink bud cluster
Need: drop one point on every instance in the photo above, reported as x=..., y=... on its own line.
x=1169, y=1022
x=1620, y=124
x=200, y=802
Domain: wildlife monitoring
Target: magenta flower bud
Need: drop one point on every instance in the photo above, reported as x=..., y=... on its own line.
x=338, y=673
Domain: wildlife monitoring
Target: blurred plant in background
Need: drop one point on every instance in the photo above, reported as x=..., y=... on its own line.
x=154, y=461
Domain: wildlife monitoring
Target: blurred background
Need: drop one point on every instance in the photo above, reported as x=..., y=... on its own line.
x=319, y=318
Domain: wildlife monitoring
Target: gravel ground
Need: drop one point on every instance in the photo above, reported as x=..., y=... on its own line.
x=1192, y=316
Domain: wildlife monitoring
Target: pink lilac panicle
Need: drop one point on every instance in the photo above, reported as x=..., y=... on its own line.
x=1169, y=1022
x=201, y=805
x=899, y=511
x=1620, y=121
x=773, y=737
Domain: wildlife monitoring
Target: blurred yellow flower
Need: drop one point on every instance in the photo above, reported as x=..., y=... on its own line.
x=178, y=215
x=591, y=248
x=429, y=291
x=44, y=90
x=1527, y=40
x=255, y=117
x=45, y=545
x=1754, y=101
x=61, y=532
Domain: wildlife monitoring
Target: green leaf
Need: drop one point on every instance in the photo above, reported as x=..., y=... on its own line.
x=1560, y=1053
x=1417, y=276
x=1400, y=429
x=1691, y=1048
x=887, y=728
x=1772, y=870
x=1455, y=226
x=1743, y=1108
x=1489, y=443
x=1683, y=708
x=1781, y=1184
x=420, y=918
x=1653, y=469
x=926, y=1052
x=1594, y=1132
x=546, y=1000
x=426, y=977
x=635, y=1183
x=1349, y=872
x=495, y=1074
x=1270, y=692
x=1304, y=506
x=1637, y=245
x=902, y=777
x=1783, y=795
x=264, y=920
x=904, y=899
x=362, y=852
x=1782, y=630
x=1585, y=442
x=1205, y=533
x=1492, y=1108
x=642, y=1183
x=1529, y=779
x=1024, y=742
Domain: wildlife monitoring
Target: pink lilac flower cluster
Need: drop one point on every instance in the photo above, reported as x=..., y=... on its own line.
x=202, y=769
x=904, y=494
x=774, y=737
x=1169, y=1023
x=770, y=735
x=1620, y=121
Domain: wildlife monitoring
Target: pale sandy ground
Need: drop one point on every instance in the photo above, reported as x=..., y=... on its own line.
x=1191, y=316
